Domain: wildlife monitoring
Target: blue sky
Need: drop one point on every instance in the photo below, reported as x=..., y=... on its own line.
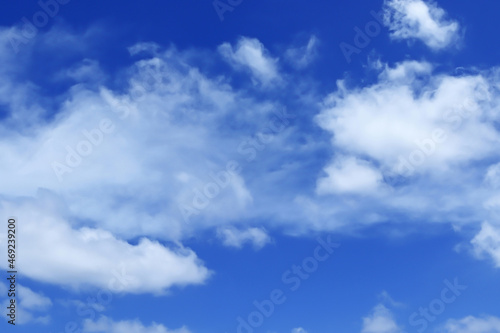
x=237, y=166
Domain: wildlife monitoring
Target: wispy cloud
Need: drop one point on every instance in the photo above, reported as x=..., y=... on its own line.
x=250, y=54
x=234, y=237
x=107, y=325
x=417, y=19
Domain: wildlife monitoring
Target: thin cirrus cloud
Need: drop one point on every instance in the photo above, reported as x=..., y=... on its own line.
x=418, y=19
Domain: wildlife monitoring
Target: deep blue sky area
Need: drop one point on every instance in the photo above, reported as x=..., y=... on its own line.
x=196, y=24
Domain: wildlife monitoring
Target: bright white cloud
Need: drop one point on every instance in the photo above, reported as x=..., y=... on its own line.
x=417, y=19
x=250, y=54
x=380, y=320
x=169, y=130
x=418, y=132
x=108, y=325
x=470, y=324
x=406, y=70
x=401, y=114
x=349, y=175
x=233, y=237
x=173, y=119
x=89, y=257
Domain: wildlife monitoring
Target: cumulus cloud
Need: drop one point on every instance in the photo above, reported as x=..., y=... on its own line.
x=400, y=113
x=233, y=237
x=92, y=257
x=418, y=132
x=250, y=54
x=175, y=128
x=471, y=324
x=107, y=325
x=115, y=166
x=149, y=127
x=417, y=19
x=380, y=320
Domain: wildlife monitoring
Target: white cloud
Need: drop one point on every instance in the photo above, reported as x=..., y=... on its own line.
x=170, y=136
x=31, y=300
x=108, y=325
x=406, y=70
x=492, y=177
x=349, y=175
x=487, y=241
x=249, y=53
x=299, y=330
x=87, y=70
x=416, y=19
x=233, y=237
x=401, y=114
x=423, y=132
x=380, y=320
x=175, y=127
x=154, y=118
x=301, y=57
x=90, y=257
x=470, y=324
x=147, y=48
x=31, y=306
